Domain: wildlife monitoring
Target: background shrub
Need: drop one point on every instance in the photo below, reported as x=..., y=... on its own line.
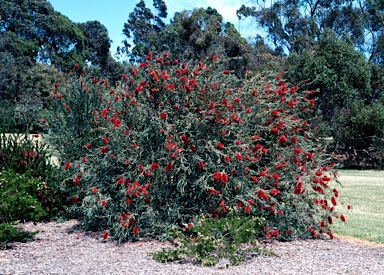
x=29, y=157
x=172, y=141
x=19, y=197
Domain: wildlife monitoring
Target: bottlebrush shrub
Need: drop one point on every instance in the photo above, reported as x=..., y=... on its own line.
x=172, y=140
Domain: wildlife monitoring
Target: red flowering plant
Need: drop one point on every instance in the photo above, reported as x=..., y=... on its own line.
x=172, y=141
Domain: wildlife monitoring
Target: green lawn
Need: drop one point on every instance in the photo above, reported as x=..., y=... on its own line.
x=364, y=190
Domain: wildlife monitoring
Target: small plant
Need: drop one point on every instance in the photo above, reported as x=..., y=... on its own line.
x=18, y=197
x=210, y=240
x=9, y=233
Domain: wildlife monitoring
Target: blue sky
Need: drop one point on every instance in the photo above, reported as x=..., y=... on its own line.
x=114, y=13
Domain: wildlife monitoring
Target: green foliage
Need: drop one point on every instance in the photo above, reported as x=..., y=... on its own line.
x=20, y=153
x=211, y=239
x=192, y=34
x=294, y=26
x=172, y=141
x=339, y=74
x=70, y=124
x=141, y=29
x=39, y=33
x=27, y=157
x=18, y=193
x=9, y=233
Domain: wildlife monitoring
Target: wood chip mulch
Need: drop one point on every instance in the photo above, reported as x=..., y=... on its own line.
x=62, y=248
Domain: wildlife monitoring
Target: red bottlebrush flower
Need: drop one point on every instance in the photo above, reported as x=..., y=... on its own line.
x=139, y=167
x=237, y=142
x=333, y=200
x=76, y=180
x=311, y=102
x=283, y=139
x=226, y=72
x=318, y=173
x=201, y=164
x=213, y=192
x=193, y=147
x=43, y=121
x=261, y=195
x=247, y=209
x=220, y=145
x=134, y=72
x=248, y=110
x=149, y=56
x=67, y=165
x=349, y=207
x=239, y=157
x=342, y=217
x=116, y=123
x=168, y=168
x=275, y=176
x=88, y=146
x=297, y=151
x=239, y=204
x=326, y=178
x=84, y=159
x=275, y=113
x=223, y=133
x=222, y=205
x=224, y=178
x=264, y=150
x=309, y=156
x=329, y=219
x=105, y=235
x=147, y=174
x=263, y=173
x=120, y=180
x=274, y=192
x=94, y=190
x=128, y=201
x=175, y=62
x=216, y=176
x=163, y=115
x=185, y=139
x=227, y=159
x=104, y=113
x=103, y=203
x=74, y=199
x=251, y=202
x=274, y=130
x=104, y=149
x=154, y=166
x=322, y=224
x=294, y=140
x=105, y=140
x=236, y=100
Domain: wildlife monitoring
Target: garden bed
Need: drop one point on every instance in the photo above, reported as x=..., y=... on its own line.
x=62, y=248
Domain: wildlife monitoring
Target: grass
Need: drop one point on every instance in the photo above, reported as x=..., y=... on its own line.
x=364, y=191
